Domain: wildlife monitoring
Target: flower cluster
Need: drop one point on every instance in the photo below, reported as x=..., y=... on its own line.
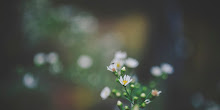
x=162, y=71
x=138, y=95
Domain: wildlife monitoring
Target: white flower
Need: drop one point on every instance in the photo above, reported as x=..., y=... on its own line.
x=156, y=92
x=118, y=62
x=147, y=101
x=123, y=69
x=167, y=68
x=105, y=93
x=39, y=59
x=85, y=61
x=131, y=63
x=112, y=67
x=120, y=55
x=156, y=71
x=29, y=81
x=119, y=103
x=126, y=80
x=52, y=58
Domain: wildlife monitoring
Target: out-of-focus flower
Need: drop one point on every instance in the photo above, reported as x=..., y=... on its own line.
x=131, y=63
x=118, y=62
x=29, y=81
x=52, y=57
x=120, y=55
x=112, y=68
x=39, y=59
x=136, y=107
x=123, y=69
x=126, y=80
x=119, y=103
x=156, y=92
x=167, y=68
x=85, y=61
x=156, y=71
x=105, y=93
x=147, y=101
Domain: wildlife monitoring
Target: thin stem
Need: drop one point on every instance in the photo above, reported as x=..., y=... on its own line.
x=128, y=95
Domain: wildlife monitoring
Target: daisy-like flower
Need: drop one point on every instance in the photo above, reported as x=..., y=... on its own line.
x=112, y=67
x=120, y=55
x=156, y=71
x=147, y=101
x=105, y=93
x=39, y=59
x=156, y=92
x=131, y=63
x=126, y=80
x=167, y=68
x=52, y=58
x=85, y=61
x=118, y=62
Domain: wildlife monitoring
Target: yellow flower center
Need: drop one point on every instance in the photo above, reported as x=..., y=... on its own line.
x=118, y=65
x=125, y=82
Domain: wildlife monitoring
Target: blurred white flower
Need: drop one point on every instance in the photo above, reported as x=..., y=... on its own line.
x=39, y=59
x=167, y=68
x=156, y=92
x=105, y=93
x=118, y=62
x=131, y=63
x=147, y=101
x=126, y=80
x=112, y=67
x=156, y=71
x=29, y=81
x=52, y=57
x=120, y=55
x=136, y=107
x=85, y=61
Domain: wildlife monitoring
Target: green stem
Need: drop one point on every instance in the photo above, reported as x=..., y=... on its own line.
x=128, y=95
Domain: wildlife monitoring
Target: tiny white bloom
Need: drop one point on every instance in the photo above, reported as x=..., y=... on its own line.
x=120, y=55
x=147, y=101
x=52, y=58
x=123, y=69
x=112, y=67
x=119, y=103
x=118, y=62
x=29, y=81
x=131, y=63
x=105, y=93
x=156, y=92
x=39, y=59
x=126, y=80
x=167, y=68
x=85, y=61
x=156, y=71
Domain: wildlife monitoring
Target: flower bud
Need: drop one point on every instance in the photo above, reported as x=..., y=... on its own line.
x=123, y=69
x=143, y=105
x=117, y=80
x=118, y=94
x=114, y=90
x=125, y=94
x=135, y=98
x=132, y=86
x=126, y=108
x=143, y=95
x=119, y=103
